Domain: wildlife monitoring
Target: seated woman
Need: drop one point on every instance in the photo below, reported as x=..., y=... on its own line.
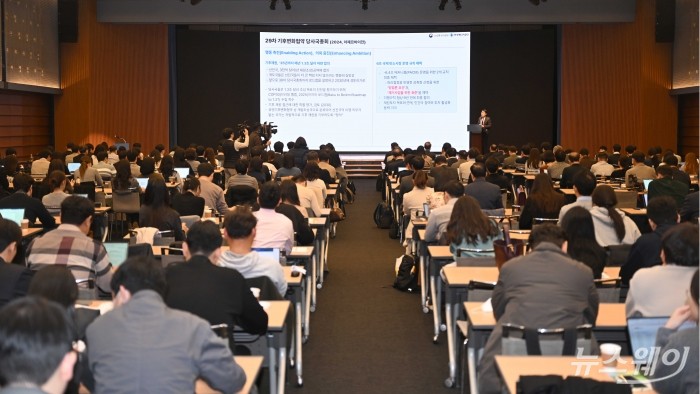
x=123, y=181
x=582, y=246
x=543, y=202
x=167, y=170
x=612, y=227
x=670, y=339
x=189, y=202
x=57, y=183
x=288, y=169
x=290, y=208
x=533, y=163
x=312, y=173
x=85, y=173
x=156, y=211
x=255, y=169
x=470, y=228
x=413, y=201
x=39, y=190
x=148, y=166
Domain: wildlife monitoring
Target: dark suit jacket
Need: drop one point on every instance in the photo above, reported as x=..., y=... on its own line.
x=216, y=294
x=689, y=208
x=543, y=289
x=645, y=253
x=14, y=281
x=406, y=184
x=33, y=208
x=187, y=204
x=302, y=231
x=499, y=180
x=487, y=124
x=487, y=194
x=443, y=175
x=567, y=176
x=668, y=187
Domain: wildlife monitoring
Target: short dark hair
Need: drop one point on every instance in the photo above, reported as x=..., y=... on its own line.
x=492, y=165
x=323, y=155
x=239, y=223
x=671, y=160
x=10, y=151
x=131, y=155
x=585, y=182
x=680, y=245
x=23, y=182
x=279, y=146
x=190, y=184
x=205, y=169
x=624, y=161
x=638, y=156
x=583, y=151
x=75, y=209
x=662, y=210
x=439, y=159
x=270, y=195
x=603, y=155
x=616, y=147
x=139, y=273
x=665, y=171
x=241, y=167
x=101, y=155
x=312, y=155
x=35, y=335
x=547, y=232
x=560, y=156
x=9, y=233
x=630, y=149
x=478, y=170
x=55, y=283
x=203, y=237
x=418, y=163
x=454, y=189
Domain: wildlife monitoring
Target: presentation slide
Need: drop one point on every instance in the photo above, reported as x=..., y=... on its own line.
x=362, y=92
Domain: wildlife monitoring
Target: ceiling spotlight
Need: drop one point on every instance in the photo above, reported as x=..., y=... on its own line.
x=443, y=3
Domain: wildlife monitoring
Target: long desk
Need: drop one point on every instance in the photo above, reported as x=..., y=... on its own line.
x=511, y=368
x=321, y=247
x=438, y=256
x=297, y=286
x=308, y=256
x=611, y=317
x=277, y=343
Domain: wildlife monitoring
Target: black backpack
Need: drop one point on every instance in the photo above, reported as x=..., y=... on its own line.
x=407, y=277
x=383, y=216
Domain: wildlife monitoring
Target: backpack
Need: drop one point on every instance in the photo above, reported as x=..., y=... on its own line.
x=383, y=216
x=350, y=192
x=380, y=182
x=406, y=276
x=394, y=230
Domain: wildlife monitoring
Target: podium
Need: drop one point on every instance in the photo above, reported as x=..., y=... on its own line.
x=475, y=137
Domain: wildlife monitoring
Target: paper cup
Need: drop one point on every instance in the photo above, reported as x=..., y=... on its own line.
x=610, y=353
x=25, y=224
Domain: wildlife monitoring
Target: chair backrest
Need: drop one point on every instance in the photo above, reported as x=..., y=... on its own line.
x=126, y=201
x=617, y=255
x=189, y=220
x=268, y=290
x=140, y=250
x=520, y=340
x=85, y=188
x=241, y=195
x=86, y=289
x=536, y=221
x=608, y=289
x=479, y=291
x=626, y=199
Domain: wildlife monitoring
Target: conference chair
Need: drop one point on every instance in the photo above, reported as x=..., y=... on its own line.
x=86, y=289
x=241, y=195
x=608, y=289
x=536, y=221
x=85, y=188
x=626, y=199
x=125, y=205
x=617, y=255
x=520, y=340
x=170, y=255
x=189, y=220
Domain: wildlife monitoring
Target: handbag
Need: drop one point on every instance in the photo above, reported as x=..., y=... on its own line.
x=336, y=215
x=507, y=248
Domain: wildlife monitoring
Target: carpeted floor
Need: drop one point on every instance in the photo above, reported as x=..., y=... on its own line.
x=367, y=337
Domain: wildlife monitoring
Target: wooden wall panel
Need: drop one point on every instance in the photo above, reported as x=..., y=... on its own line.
x=25, y=122
x=689, y=124
x=615, y=85
x=116, y=82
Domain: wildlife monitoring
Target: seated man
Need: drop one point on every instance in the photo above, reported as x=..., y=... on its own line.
x=665, y=185
x=212, y=194
x=36, y=350
x=495, y=175
x=556, y=169
x=194, y=285
x=443, y=173
x=22, y=199
x=543, y=289
x=487, y=194
x=14, y=278
x=602, y=167
x=69, y=245
x=639, y=170
x=655, y=291
x=241, y=178
x=239, y=233
x=144, y=346
x=646, y=250
x=40, y=166
x=439, y=217
x=273, y=230
x=584, y=184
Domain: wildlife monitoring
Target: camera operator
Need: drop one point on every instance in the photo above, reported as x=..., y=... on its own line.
x=234, y=142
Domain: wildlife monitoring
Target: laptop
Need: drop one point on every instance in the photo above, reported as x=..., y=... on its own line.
x=117, y=252
x=184, y=172
x=642, y=335
x=16, y=215
x=81, y=195
x=272, y=253
x=143, y=182
x=73, y=167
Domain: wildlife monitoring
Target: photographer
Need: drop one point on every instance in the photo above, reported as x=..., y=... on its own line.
x=232, y=145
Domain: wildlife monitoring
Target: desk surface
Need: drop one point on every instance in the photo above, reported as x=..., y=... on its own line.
x=276, y=313
x=460, y=276
x=421, y=234
x=634, y=211
x=251, y=366
x=301, y=252
x=512, y=367
x=439, y=252
x=28, y=232
x=292, y=281
x=317, y=222
x=610, y=316
x=325, y=211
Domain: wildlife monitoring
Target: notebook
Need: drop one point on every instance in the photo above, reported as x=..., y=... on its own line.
x=117, y=252
x=16, y=215
x=143, y=182
x=184, y=172
x=642, y=335
x=73, y=167
x=272, y=253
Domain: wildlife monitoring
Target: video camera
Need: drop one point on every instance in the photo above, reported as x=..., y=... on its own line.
x=266, y=130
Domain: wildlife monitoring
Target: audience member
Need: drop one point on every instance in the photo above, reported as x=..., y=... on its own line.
x=189, y=203
x=614, y=157
x=241, y=177
x=584, y=184
x=670, y=378
x=406, y=183
x=299, y=153
x=52, y=201
x=654, y=291
x=144, y=346
x=312, y=173
x=582, y=246
x=568, y=173
x=307, y=198
x=645, y=251
x=443, y=174
x=36, y=347
x=665, y=185
x=288, y=168
x=104, y=167
x=70, y=245
x=543, y=202
x=212, y=194
x=584, y=159
x=495, y=176
x=612, y=227
x=14, y=278
x=469, y=230
x=602, y=167
x=671, y=161
x=543, y=289
x=40, y=166
x=464, y=169
x=291, y=208
x=625, y=163
x=413, y=201
x=239, y=233
x=439, y=217
x=689, y=208
x=556, y=169
x=533, y=163
x=85, y=173
x=487, y=194
x=156, y=211
x=639, y=170
x=22, y=199
x=273, y=230
x=132, y=156
x=690, y=166
x=509, y=161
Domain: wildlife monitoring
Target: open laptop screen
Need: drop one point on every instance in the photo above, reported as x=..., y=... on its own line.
x=183, y=172
x=642, y=335
x=16, y=215
x=117, y=252
x=73, y=167
x=143, y=182
x=272, y=253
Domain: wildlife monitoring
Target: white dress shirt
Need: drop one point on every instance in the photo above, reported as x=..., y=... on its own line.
x=273, y=230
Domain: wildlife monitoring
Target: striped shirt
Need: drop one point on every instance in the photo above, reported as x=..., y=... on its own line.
x=67, y=245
